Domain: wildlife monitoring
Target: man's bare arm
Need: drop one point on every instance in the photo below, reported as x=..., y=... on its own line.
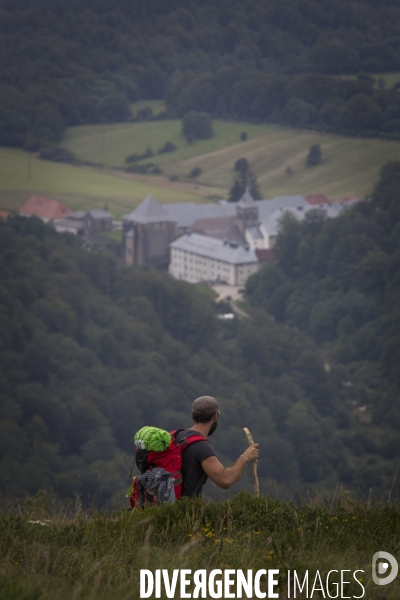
x=225, y=477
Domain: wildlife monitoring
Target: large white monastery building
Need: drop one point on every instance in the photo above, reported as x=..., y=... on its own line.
x=196, y=258
x=221, y=242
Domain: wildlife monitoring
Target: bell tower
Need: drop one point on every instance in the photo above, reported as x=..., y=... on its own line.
x=246, y=212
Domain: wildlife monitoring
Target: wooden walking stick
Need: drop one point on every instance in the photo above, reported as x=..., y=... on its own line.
x=254, y=465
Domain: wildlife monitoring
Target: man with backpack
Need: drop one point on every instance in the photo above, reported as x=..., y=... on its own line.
x=199, y=460
x=178, y=463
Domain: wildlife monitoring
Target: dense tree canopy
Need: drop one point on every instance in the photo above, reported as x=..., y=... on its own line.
x=92, y=350
x=338, y=281
x=69, y=63
x=197, y=125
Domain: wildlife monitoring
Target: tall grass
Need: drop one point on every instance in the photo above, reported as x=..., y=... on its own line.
x=49, y=550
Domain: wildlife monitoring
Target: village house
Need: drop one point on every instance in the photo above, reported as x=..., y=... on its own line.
x=90, y=224
x=74, y=223
x=46, y=209
x=97, y=220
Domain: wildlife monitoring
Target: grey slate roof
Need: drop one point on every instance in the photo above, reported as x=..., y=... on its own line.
x=271, y=223
x=98, y=213
x=78, y=214
x=72, y=224
x=149, y=211
x=254, y=232
x=223, y=228
x=267, y=207
x=246, y=200
x=186, y=213
x=228, y=252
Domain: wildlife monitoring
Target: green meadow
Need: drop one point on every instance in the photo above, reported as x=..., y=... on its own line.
x=50, y=552
x=80, y=188
x=111, y=144
x=350, y=165
x=277, y=155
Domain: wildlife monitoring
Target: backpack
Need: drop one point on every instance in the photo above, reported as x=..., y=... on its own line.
x=167, y=455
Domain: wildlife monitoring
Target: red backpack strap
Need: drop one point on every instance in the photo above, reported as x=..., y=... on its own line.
x=189, y=439
x=194, y=438
x=186, y=440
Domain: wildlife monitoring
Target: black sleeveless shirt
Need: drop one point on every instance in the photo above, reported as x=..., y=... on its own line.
x=192, y=472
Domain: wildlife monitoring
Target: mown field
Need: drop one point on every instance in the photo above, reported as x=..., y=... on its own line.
x=121, y=139
x=80, y=188
x=350, y=166
x=48, y=551
x=277, y=155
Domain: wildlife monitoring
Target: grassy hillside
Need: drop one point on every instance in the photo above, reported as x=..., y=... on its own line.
x=51, y=552
x=121, y=139
x=350, y=165
x=78, y=187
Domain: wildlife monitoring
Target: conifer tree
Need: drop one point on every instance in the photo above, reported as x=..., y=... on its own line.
x=245, y=179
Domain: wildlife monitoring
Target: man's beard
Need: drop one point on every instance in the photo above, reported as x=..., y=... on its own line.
x=213, y=427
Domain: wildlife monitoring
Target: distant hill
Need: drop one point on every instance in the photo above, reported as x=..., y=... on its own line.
x=73, y=63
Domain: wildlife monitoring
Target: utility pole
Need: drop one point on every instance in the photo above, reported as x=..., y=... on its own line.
x=102, y=132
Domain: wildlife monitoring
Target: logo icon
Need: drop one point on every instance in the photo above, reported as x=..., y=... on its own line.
x=380, y=568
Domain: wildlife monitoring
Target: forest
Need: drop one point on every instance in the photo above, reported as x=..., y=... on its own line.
x=92, y=350
x=68, y=63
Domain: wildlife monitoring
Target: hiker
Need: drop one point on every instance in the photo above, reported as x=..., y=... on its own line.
x=176, y=464
x=199, y=460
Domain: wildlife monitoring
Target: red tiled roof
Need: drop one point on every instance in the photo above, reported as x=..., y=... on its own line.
x=4, y=214
x=315, y=199
x=47, y=208
x=264, y=255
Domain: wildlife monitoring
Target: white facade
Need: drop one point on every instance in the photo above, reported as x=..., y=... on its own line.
x=269, y=238
x=256, y=238
x=196, y=258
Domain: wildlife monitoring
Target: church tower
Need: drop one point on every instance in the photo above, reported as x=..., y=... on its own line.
x=246, y=213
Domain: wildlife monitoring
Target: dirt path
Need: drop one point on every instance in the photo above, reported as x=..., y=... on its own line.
x=232, y=295
x=224, y=291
